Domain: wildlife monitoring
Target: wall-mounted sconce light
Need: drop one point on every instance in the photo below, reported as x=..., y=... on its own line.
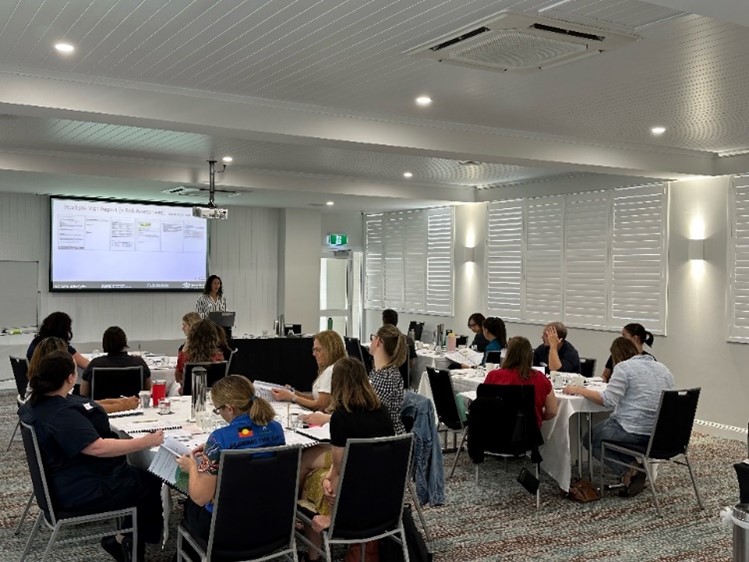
x=696, y=250
x=469, y=255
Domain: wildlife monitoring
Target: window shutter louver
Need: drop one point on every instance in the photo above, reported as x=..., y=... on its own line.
x=738, y=314
x=373, y=262
x=504, y=259
x=439, y=293
x=394, y=253
x=544, y=273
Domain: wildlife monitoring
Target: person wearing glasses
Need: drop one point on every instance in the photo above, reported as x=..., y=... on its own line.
x=476, y=325
x=251, y=425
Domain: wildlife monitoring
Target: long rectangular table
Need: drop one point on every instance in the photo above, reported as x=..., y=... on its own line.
x=557, y=448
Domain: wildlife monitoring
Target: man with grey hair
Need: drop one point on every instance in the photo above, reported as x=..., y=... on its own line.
x=556, y=353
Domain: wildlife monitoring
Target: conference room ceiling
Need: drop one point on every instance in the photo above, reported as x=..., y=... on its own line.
x=314, y=99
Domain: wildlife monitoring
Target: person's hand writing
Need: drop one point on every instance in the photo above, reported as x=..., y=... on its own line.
x=154, y=439
x=130, y=402
x=185, y=462
x=198, y=450
x=282, y=394
x=316, y=418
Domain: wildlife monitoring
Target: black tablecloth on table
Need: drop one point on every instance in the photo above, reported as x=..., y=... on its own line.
x=277, y=360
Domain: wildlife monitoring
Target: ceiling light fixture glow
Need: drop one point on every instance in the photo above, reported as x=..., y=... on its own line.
x=64, y=48
x=423, y=101
x=658, y=130
x=408, y=175
x=227, y=159
x=330, y=203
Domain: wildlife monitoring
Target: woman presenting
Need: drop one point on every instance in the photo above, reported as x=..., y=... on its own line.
x=212, y=299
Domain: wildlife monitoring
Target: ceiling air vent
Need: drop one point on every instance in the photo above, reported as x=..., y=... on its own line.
x=512, y=42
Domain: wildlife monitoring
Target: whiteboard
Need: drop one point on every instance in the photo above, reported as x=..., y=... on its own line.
x=19, y=294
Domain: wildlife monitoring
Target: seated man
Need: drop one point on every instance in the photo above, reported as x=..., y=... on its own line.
x=556, y=353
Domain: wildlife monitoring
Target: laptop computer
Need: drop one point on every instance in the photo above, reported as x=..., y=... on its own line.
x=223, y=319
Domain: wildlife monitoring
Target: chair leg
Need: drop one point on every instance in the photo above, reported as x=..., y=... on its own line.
x=326, y=546
x=34, y=531
x=18, y=424
x=418, y=511
x=51, y=542
x=404, y=545
x=477, y=476
x=538, y=491
x=135, y=534
x=646, y=465
x=694, y=482
x=17, y=530
x=457, y=454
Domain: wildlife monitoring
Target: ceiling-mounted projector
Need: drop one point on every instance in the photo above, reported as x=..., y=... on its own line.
x=210, y=213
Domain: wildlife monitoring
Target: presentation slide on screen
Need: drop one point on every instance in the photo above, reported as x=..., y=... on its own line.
x=108, y=245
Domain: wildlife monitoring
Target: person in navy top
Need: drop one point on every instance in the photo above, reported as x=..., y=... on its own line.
x=556, y=353
x=251, y=425
x=59, y=325
x=496, y=334
x=476, y=325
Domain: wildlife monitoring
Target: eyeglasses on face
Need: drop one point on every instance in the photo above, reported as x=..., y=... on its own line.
x=217, y=410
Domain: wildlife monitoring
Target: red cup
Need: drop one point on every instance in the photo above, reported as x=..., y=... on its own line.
x=158, y=391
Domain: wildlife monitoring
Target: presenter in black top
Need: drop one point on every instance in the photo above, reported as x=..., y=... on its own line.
x=212, y=299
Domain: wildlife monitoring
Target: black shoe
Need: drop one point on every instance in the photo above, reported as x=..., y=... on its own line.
x=113, y=548
x=636, y=485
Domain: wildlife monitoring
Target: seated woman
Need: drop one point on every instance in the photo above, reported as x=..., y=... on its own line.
x=388, y=350
x=188, y=321
x=638, y=335
x=59, y=325
x=634, y=393
x=516, y=369
x=48, y=345
x=476, y=325
x=201, y=347
x=357, y=413
x=241, y=409
x=496, y=335
x=85, y=462
x=114, y=343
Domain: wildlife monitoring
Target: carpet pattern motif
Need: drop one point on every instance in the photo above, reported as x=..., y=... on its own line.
x=498, y=520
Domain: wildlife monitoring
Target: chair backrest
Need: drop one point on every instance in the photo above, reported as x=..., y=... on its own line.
x=587, y=367
x=230, y=360
x=405, y=370
x=461, y=340
x=674, y=421
x=417, y=327
x=113, y=382
x=353, y=348
x=505, y=418
x=444, y=398
x=37, y=471
x=255, y=506
x=20, y=367
x=494, y=357
x=216, y=370
x=372, y=487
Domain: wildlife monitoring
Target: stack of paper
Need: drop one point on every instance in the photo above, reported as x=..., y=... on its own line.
x=466, y=357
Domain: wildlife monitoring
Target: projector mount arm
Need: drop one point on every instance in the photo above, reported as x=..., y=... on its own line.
x=212, y=181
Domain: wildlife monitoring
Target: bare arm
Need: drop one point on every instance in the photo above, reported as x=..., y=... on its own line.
x=85, y=388
x=201, y=486
x=112, y=405
x=306, y=401
x=591, y=395
x=551, y=406
x=606, y=375
x=117, y=447
x=80, y=360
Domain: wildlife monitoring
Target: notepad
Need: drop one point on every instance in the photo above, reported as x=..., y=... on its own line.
x=318, y=433
x=263, y=389
x=164, y=464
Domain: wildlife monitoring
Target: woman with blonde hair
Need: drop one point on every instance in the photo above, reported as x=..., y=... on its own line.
x=327, y=347
x=251, y=425
x=201, y=346
x=188, y=321
x=389, y=351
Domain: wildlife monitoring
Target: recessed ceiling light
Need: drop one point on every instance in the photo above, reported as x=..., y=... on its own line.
x=423, y=101
x=227, y=159
x=408, y=175
x=64, y=48
x=330, y=203
x=658, y=130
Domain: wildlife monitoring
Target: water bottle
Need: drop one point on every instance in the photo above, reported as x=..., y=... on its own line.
x=199, y=390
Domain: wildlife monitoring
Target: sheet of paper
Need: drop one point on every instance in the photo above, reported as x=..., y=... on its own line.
x=465, y=356
x=263, y=389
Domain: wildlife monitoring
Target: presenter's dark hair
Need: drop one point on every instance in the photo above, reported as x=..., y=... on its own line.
x=476, y=318
x=496, y=327
x=638, y=331
x=114, y=340
x=390, y=316
x=57, y=324
x=209, y=282
x=53, y=369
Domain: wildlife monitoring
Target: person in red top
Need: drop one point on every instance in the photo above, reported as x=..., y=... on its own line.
x=516, y=369
x=202, y=346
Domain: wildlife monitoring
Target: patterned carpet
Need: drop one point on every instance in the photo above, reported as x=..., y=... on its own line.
x=498, y=521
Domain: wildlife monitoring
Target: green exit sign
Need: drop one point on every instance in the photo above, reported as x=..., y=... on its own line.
x=337, y=239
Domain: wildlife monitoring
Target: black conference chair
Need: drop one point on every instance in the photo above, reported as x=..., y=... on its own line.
x=494, y=357
x=239, y=531
x=113, y=382
x=502, y=422
x=230, y=361
x=20, y=367
x=353, y=348
x=367, y=506
x=216, y=370
x=54, y=519
x=587, y=367
x=446, y=406
x=669, y=441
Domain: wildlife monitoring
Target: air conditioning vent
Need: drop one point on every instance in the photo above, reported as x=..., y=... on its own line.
x=513, y=42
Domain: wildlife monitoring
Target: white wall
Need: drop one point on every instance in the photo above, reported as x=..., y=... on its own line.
x=243, y=252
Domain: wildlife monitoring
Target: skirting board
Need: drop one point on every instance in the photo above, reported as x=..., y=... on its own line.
x=722, y=430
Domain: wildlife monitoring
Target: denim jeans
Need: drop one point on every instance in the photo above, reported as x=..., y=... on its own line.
x=610, y=430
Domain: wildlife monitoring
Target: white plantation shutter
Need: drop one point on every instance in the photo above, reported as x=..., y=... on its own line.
x=586, y=258
x=738, y=302
x=373, y=262
x=415, y=250
x=504, y=259
x=638, y=257
x=439, y=284
x=544, y=289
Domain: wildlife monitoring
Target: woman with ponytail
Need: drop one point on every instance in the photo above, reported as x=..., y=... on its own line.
x=251, y=425
x=389, y=350
x=638, y=335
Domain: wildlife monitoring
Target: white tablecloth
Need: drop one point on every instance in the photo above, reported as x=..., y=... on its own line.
x=557, y=448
